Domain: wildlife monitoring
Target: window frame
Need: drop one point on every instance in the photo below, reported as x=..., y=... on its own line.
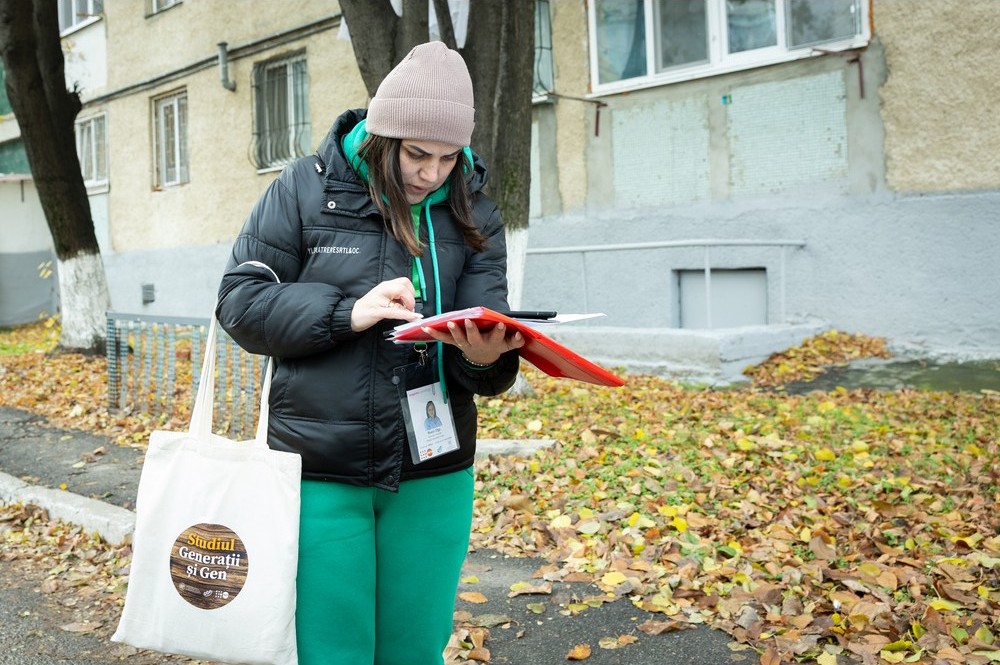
x=154, y=7
x=261, y=156
x=85, y=12
x=179, y=147
x=100, y=180
x=719, y=60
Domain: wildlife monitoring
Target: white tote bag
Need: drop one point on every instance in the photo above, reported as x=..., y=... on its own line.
x=215, y=542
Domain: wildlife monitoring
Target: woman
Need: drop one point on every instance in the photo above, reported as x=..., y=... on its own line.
x=385, y=224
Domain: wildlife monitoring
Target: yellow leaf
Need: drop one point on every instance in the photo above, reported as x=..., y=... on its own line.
x=968, y=541
x=825, y=455
x=613, y=578
x=859, y=447
x=635, y=519
x=579, y=652
x=561, y=522
x=667, y=511
x=942, y=604
x=471, y=579
x=680, y=524
x=826, y=658
x=891, y=656
x=534, y=425
x=984, y=635
x=745, y=444
x=869, y=569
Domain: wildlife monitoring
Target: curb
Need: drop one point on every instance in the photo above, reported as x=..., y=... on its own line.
x=115, y=524
x=112, y=523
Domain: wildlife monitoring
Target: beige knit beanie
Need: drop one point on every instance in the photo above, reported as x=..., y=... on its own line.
x=427, y=96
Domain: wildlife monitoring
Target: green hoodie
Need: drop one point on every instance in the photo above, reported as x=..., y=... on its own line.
x=352, y=146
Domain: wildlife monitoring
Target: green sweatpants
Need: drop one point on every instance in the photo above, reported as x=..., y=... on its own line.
x=378, y=571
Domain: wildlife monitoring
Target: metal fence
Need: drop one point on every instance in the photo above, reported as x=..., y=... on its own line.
x=154, y=367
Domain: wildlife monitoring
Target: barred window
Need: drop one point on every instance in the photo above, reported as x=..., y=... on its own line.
x=281, y=111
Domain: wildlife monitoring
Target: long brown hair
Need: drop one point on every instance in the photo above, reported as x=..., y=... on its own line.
x=385, y=181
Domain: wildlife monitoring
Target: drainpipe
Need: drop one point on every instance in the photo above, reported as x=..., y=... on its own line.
x=224, y=67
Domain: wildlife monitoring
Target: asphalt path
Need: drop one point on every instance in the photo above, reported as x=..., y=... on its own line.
x=32, y=623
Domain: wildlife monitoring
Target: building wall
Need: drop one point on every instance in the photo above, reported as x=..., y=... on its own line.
x=891, y=196
x=27, y=278
x=891, y=199
x=939, y=99
x=220, y=122
x=177, y=239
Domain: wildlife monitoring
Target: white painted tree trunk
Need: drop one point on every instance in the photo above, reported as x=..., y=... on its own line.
x=517, y=251
x=84, y=301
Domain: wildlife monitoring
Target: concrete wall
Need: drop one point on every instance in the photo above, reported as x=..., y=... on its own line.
x=25, y=244
x=223, y=182
x=177, y=238
x=939, y=100
x=886, y=168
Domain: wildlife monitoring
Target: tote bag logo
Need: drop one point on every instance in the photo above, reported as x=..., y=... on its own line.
x=208, y=565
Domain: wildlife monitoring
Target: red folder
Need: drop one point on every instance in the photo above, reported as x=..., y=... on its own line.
x=539, y=349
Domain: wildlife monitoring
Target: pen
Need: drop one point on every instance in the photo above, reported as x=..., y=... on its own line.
x=531, y=314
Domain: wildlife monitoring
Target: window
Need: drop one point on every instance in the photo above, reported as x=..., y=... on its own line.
x=638, y=43
x=159, y=5
x=543, y=79
x=170, y=134
x=73, y=13
x=281, y=111
x=91, y=148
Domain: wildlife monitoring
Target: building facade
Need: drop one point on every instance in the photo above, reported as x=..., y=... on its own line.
x=697, y=167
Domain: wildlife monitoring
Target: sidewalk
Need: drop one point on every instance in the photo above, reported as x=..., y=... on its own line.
x=101, y=480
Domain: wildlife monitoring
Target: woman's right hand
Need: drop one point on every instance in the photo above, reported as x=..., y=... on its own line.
x=394, y=299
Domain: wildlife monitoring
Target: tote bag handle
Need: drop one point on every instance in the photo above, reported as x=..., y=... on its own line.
x=204, y=403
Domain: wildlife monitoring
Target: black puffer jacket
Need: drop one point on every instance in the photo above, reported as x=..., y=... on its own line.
x=332, y=396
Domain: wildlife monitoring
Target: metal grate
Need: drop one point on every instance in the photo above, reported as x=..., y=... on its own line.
x=154, y=363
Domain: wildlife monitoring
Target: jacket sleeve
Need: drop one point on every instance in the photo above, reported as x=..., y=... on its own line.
x=484, y=282
x=261, y=305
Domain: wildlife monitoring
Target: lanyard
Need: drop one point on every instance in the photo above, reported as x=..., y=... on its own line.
x=421, y=283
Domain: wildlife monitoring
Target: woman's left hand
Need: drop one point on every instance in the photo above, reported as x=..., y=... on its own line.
x=479, y=347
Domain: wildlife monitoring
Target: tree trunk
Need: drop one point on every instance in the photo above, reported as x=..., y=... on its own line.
x=500, y=53
x=46, y=111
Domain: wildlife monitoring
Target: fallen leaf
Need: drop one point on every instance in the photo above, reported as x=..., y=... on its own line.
x=579, y=652
x=80, y=627
x=473, y=597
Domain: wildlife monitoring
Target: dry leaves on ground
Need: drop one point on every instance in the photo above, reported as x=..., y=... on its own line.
x=854, y=524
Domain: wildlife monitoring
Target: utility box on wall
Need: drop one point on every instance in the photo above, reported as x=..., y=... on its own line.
x=728, y=299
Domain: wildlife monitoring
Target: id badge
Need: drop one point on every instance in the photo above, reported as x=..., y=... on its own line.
x=430, y=428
